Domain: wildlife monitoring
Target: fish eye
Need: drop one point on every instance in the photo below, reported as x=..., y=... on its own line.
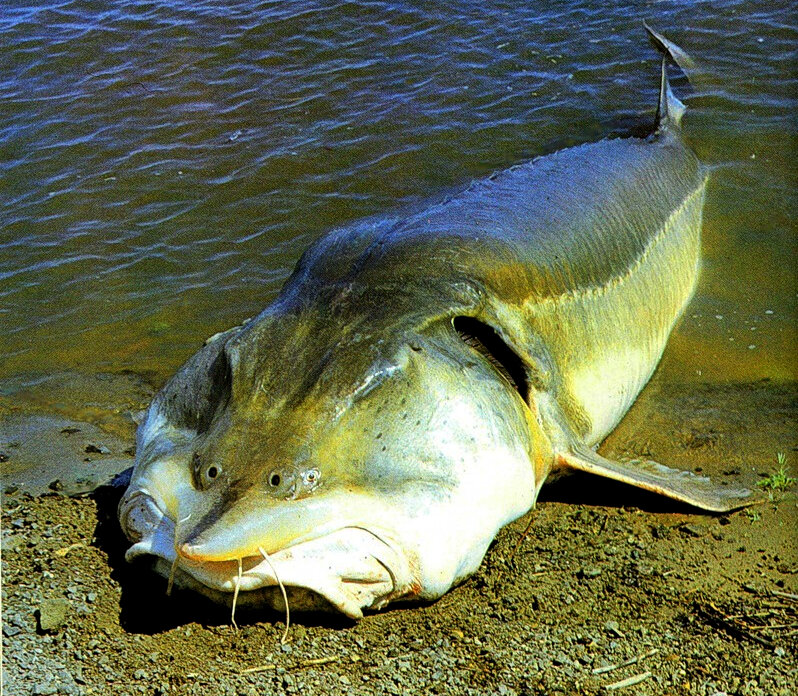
x=312, y=475
x=202, y=475
x=274, y=480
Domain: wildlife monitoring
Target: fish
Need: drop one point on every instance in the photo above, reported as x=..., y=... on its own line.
x=419, y=377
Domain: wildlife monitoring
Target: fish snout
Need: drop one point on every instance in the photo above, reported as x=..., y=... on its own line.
x=194, y=552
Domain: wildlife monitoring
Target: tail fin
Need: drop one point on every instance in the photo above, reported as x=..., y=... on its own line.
x=669, y=110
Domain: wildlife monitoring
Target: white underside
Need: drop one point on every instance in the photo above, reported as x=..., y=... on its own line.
x=352, y=568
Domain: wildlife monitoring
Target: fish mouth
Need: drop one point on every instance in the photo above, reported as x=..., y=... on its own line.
x=352, y=567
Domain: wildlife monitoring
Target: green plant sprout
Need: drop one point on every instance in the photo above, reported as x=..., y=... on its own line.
x=780, y=480
x=752, y=515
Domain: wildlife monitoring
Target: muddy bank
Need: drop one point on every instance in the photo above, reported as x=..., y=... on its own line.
x=69, y=432
x=601, y=585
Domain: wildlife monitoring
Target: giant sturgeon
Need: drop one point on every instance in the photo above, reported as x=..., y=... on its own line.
x=420, y=376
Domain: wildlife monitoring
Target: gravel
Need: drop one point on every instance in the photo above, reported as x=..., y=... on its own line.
x=535, y=619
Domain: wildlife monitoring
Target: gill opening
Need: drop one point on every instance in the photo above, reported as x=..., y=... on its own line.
x=486, y=341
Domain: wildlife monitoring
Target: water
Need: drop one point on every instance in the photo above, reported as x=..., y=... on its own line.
x=164, y=163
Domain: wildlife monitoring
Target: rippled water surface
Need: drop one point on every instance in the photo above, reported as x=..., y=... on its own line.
x=164, y=163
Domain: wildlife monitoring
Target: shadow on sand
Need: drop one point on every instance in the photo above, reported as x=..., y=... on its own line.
x=146, y=608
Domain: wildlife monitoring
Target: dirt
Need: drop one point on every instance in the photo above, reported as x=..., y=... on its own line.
x=601, y=588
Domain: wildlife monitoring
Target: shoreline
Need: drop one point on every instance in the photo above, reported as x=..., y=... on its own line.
x=568, y=595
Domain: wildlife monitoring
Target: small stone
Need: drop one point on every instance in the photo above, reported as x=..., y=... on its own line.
x=614, y=628
x=96, y=449
x=344, y=680
x=560, y=659
x=12, y=542
x=779, y=652
x=52, y=614
x=154, y=656
x=589, y=572
x=91, y=597
x=141, y=674
x=693, y=530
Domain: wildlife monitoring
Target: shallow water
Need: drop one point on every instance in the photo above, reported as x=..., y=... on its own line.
x=164, y=163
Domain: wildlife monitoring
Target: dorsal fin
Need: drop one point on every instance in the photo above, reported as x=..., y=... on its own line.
x=669, y=110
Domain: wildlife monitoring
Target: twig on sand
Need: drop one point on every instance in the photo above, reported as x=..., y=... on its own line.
x=60, y=553
x=630, y=661
x=259, y=668
x=717, y=619
x=630, y=681
x=786, y=595
x=767, y=627
x=315, y=662
x=522, y=537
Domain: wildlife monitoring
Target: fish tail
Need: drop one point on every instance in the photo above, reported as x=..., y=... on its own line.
x=669, y=110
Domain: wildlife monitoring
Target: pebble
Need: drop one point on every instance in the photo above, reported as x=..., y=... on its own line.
x=52, y=614
x=694, y=530
x=13, y=542
x=590, y=572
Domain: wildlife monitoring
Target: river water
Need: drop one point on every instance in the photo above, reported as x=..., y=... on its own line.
x=164, y=163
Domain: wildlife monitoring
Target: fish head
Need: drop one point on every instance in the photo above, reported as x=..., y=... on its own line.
x=362, y=465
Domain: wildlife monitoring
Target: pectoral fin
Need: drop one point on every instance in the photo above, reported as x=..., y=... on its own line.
x=651, y=476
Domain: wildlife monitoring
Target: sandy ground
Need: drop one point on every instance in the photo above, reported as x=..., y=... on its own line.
x=600, y=589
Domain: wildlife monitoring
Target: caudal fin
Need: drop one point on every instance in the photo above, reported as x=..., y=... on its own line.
x=669, y=110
